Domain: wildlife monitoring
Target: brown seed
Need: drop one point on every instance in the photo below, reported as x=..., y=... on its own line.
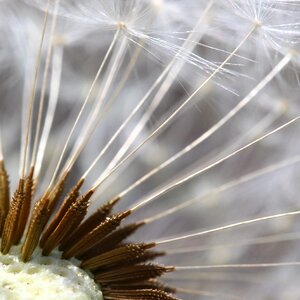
x=139, y=294
x=25, y=209
x=112, y=240
x=57, y=191
x=71, y=219
x=4, y=195
x=128, y=253
x=37, y=223
x=12, y=219
x=132, y=274
x=69, y=200
x=89, y=224
x=96, y=235
x=148, y=284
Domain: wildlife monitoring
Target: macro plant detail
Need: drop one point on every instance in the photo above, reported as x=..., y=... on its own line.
x=157, y=149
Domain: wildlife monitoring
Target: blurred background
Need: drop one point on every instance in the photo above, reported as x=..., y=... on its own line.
x=188, y=41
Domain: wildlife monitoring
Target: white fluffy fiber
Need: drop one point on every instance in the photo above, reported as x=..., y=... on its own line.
x=158, y=28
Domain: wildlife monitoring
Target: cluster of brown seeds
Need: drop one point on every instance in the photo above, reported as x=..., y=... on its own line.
x=121, y=268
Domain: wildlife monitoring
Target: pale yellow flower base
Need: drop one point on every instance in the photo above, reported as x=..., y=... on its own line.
x=47, y=278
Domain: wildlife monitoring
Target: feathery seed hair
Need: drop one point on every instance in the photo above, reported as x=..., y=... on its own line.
x=125, y=104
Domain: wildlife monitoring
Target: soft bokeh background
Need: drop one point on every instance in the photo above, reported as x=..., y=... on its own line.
x=158, y=28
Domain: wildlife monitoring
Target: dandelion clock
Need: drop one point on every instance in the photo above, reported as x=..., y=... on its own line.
x=149, y=149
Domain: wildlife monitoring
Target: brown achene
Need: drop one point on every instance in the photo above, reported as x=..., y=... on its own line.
x=121, y=268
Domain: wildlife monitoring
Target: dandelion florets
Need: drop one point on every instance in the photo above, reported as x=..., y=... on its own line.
x=151, y=136
x=44, y=278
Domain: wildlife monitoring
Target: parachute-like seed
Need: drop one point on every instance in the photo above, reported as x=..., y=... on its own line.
x=168, y=76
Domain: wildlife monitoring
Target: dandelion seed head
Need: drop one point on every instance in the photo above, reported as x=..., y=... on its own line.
x=158, y=146
x=44, y=277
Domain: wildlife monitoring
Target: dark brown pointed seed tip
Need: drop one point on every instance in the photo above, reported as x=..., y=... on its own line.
x=147, y=256
x=36, y=225
x=70, y=221
x=89, y=224
x=4, y=195
x=131, y=274
x=71, y=197
x=4, y=187
x=11, y=222
x=114, y=201
x=57, y=191
x=99, y=233
x=25, y=208
x=148, y=284
x=126, y=254
x=111, y=241
x=138, y=294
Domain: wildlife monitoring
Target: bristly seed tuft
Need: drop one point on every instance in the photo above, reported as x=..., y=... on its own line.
x=119, y=267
